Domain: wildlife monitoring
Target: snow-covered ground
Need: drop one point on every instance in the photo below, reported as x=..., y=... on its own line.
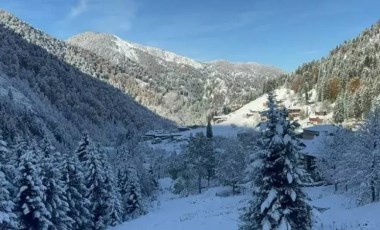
x=341, y=212
x=202, y=212
x=208, y=211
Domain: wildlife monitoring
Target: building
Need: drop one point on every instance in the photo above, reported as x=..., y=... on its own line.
x=321, y=113
x=315, y=120
x=219, y=119
x=313, y=140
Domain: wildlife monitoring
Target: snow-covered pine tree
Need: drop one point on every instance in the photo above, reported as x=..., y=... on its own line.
x=55, y=194
x=339, y=111
x=8, y=219
x=96, y=190
x=83, y=148
x=132, y=198
x=115, y=209
x=76, y=192
x=32, y=212
x=279, y=202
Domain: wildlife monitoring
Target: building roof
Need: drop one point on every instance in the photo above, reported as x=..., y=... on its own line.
x=323, y=128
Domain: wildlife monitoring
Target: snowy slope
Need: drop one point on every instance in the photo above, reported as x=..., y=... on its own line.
x=130, y=48
x=201, y=212
x=289, y=99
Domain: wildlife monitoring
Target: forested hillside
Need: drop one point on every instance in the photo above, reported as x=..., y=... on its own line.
x=178, y=87
x=349, y=75
x=43, y=94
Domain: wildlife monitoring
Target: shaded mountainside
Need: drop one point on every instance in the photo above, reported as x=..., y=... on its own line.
x=349, y=75
x=178, y=87
x=43, y=92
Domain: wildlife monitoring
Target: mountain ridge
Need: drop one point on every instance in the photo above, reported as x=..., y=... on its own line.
x=44, y=93
x=187, y=90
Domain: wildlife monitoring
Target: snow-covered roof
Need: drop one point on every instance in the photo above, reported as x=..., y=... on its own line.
x=316, y=146
x=322, y=128
x=313, y=147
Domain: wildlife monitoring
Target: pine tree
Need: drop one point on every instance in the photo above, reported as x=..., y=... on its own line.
x=55, y=194
x=83, y=148
x=279, y=202
x=33, y=214
x=209, y=133
x=96, y=190
x=8, y=219
x=132, y=197
x=339, y=111
x=115, y=210
x=76, y=193
x=209, y=154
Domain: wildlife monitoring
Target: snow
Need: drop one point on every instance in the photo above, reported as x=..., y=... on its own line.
x=293, y=195
x=129, y=49
x=340, y=212
x=207, y=211
x=269, y=200
x=284, y=225
x=202, y=212
x=289, y=177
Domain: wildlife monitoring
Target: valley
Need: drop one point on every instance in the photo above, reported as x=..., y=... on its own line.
x=98, y=132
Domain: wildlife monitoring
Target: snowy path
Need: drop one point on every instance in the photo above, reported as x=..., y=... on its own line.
x=202, y=212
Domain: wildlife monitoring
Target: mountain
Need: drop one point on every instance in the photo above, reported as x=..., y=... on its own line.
x=177, y=87
x=49, y=88
x=348, y=76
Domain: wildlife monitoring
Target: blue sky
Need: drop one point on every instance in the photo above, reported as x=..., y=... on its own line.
x=284, y=33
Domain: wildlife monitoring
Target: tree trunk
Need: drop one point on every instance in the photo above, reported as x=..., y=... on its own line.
x=208, y=178
x=373, y=191
x=336, y=187
x=199, y=183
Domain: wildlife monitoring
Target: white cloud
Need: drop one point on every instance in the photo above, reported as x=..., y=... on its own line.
x=79, y=8
x=110, y=16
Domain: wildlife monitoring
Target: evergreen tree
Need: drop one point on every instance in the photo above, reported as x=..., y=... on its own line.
x=76, y=192
x=96, y=190
x=339, y=111
x=279, y=202
x=8, y=219
x=209, y=154
x=115, y=210
x=83, y=148
x=32, y=212
x=132, y=198
x=209, y=133
x=55, y=194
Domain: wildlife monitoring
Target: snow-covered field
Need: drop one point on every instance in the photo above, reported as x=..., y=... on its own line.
x=202, y=212
x=210, y=212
